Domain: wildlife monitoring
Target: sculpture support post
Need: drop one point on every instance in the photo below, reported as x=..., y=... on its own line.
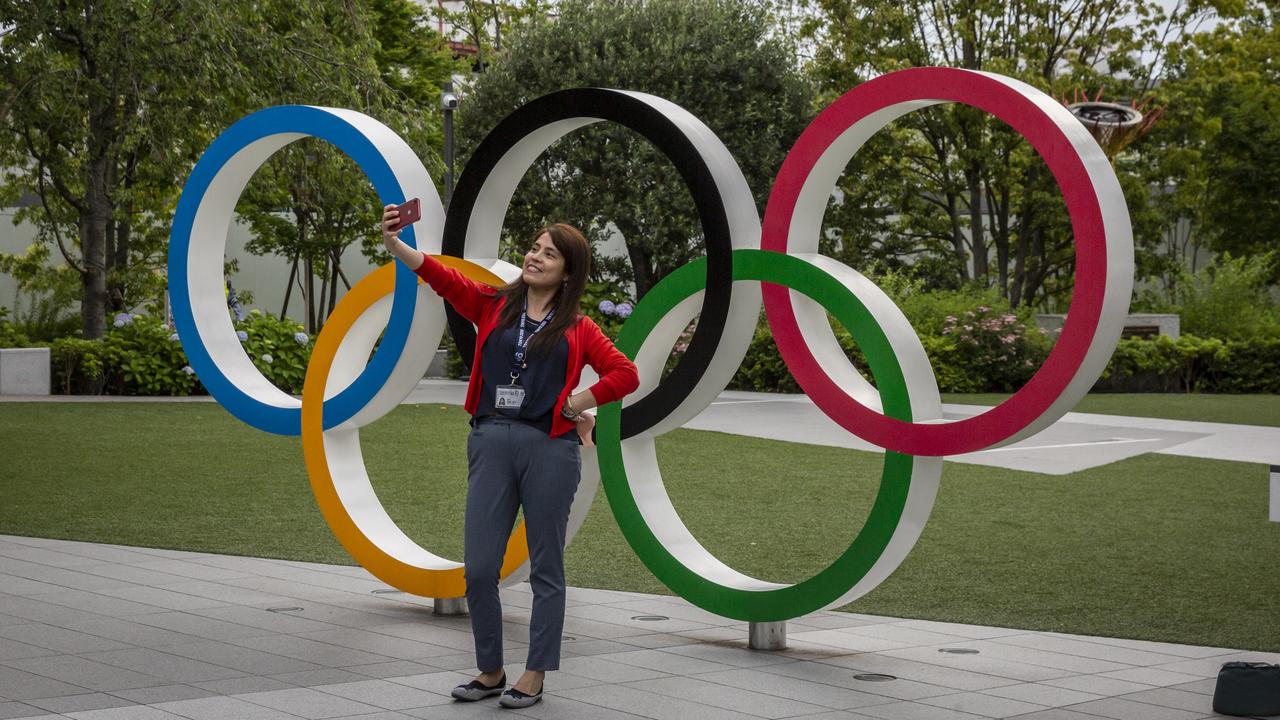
x=767, y=635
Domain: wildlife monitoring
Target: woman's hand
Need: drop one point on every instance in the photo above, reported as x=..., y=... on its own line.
x=586, y=423
x=391, y=239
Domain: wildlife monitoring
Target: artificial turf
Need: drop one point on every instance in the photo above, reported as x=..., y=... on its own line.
x=1154, y=547
x=1238, y=409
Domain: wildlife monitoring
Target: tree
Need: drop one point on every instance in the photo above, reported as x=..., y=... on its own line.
x=954, y=194
x=711, y=57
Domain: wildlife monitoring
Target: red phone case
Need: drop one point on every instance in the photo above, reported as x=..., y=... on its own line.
x=410, y=212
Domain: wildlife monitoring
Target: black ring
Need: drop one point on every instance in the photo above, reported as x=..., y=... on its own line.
x=654, y=125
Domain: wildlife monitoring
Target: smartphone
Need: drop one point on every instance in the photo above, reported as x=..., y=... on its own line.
x=410, y=212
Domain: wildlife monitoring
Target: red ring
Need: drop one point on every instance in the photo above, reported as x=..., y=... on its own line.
x=1024, y=116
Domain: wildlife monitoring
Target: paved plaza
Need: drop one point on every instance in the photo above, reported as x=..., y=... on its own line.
x=105, y=632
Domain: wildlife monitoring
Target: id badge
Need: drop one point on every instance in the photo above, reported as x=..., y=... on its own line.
x=509, y=397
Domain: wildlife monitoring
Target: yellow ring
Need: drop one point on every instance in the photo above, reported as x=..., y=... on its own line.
x=400, y=575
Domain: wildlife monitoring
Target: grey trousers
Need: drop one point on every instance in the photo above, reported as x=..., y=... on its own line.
x=510, y=464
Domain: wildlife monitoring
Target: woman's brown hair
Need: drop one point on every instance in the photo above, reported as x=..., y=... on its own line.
x=576, y=252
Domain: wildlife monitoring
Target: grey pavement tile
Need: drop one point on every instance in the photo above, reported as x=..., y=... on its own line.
x=12, y=650
x=947, y=676
x=121, y=630
x=240, y=686
x=1204, y=687
x=160, y=598
x=795, y=688
x=199, y=626
x=162, y=693
x=136, y=574
x=223, y=708
x=665, y=662
x=846, y=640
x=1151, y=676
x=1009, y=661
x=910, y=636
x=156, y=663
x=76, y=703
x=747, y=702
x=607, y=670
x=132, y=712
x=323, y=676
x=1180, y=699
x=15, y=585
x=440, y=683
x=915, y=711
x=395, y=668
x=227, y=593
x=12, y=620
x=96, y=602
x=579, y=647
x=1188, y=651
x=828, y=621
x=1098, y=685
x=589, y=596
x=308, y=703
x=387, y=645
x=1202, y=668
x=318, y=653
x=61, y=577
x=248, y=660
x=656, y=640
x=261, y=618
x=586, y=627
x=386, y=695
x=554, y=707
x=21, y=685
x=676, y=608
x=83, y=672
x=46, y=556
x=1057, y=714
x=983, y=704
x=103, y=553
x=430, y=634
x=1042, y=694
x=22, y=710
x=1121, y=709
x=738, y=656
x=648, y=704
x=462, y=710
x=187, y=570
x=57, y=638
x=555, y=679
x=973, y=632
x=384, y=715
x=899, y=689
x=1084, y=648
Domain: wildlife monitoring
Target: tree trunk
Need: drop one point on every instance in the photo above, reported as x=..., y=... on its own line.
x=977, y=236
x=93, y=243
x=310, y=296
x=288, y=288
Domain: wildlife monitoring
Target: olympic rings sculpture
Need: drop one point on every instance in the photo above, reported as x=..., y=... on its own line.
x=747, y=263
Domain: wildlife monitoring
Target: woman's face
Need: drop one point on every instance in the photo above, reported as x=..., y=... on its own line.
x=543, y=264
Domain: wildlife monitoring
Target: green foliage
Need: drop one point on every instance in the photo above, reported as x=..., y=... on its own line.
x=715, y=58
x=11, y=336
x=78, y=365
x=1231, y=299
x=1195, y=364
x=273, y=346
x=140, y=358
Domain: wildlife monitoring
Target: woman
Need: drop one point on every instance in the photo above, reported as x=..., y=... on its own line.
x=523, y=450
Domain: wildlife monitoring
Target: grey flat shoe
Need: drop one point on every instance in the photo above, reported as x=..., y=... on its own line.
x=513, y=698
x=476, y=690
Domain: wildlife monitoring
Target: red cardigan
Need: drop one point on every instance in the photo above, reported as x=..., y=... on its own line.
x=480, y=304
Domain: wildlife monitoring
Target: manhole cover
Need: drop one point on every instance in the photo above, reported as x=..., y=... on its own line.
x=649, y=618
x=959, y=651
x=874, y=677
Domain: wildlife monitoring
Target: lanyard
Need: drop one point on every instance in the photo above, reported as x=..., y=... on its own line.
x=522, y=342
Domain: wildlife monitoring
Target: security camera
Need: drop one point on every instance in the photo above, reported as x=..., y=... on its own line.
x=448, y=101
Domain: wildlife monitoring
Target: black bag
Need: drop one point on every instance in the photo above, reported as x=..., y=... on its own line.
x=1247, y=688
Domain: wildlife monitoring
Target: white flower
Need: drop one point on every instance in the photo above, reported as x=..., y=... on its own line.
x=301, y=338
x=187, y=369
x=173, y=337
x=266, y=358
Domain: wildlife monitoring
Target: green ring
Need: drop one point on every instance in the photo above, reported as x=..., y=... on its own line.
x=895, y=481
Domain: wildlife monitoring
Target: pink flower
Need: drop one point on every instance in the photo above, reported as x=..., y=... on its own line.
x=983, y=308
x=1008, y=339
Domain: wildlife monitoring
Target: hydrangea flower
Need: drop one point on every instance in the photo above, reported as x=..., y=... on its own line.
x=123, y=319
x=173, y=337
x=244, y=336
x=266, y=358
x=623, y=310
x=188, y=370
x=607, y=307
x=301, y=338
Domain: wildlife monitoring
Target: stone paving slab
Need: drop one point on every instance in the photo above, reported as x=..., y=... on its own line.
x=105, y=632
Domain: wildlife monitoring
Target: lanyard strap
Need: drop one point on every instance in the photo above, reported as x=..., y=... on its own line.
x=522, y=342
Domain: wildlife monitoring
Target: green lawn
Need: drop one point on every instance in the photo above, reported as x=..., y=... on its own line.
x=1239, y=409
x=1155, y=547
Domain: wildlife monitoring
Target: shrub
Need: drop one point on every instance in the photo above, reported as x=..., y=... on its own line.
x=10, y=334
x=1195, y=364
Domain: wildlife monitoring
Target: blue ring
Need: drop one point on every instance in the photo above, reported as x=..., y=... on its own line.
x=327, y=126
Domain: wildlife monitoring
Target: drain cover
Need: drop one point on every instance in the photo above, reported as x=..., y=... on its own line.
x=568, y=638
x=959, y=651
x=649, y=618
x=874, y=677
x=387, y=591
x=284, y=609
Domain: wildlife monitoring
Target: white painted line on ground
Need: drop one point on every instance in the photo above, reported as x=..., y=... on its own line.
x=1116, y=441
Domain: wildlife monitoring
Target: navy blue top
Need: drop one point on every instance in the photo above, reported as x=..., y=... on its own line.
x=542, y=380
